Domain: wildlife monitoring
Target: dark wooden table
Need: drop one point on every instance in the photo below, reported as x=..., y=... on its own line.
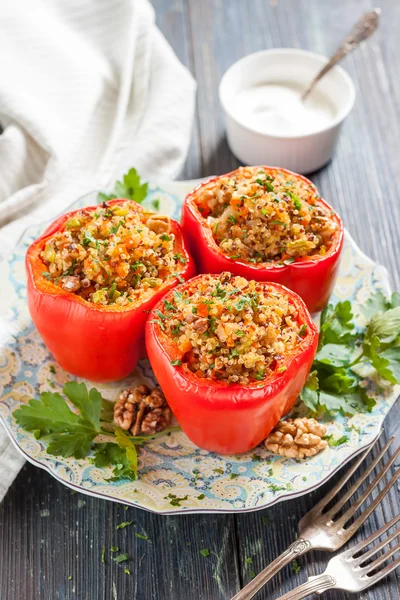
x=51, y=539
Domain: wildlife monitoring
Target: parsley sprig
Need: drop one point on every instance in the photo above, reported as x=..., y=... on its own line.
x=348, y=357
x=71, y=433
x=130, y=188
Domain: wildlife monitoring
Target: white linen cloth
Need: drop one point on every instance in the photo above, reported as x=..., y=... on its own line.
x=88, y=89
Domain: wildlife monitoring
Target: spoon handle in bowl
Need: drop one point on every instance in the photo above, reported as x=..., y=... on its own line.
x=360, y=32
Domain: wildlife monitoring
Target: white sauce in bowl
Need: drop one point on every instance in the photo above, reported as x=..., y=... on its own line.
x=277, y=109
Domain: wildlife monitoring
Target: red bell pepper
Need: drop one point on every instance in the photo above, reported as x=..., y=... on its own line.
x=312, y=277
x=219, y=417
x=100, y=343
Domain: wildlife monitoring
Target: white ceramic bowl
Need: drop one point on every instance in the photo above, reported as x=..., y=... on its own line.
x=299, y=153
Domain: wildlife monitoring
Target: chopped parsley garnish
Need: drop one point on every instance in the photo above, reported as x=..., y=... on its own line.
x=180, y=258
x=141, y=536
x=121, y=558
x=201, y=497
x=234, y=475
x=176, y=362
x=124, y=524
x=175, y=500
x=205, y=552
x=296, y=568
x=156, y=204
x=232, y=219
x=334, y=442
x=169, y=306
x=303, y=330
x=220, y=471
x=166, y=238
x=255, y=458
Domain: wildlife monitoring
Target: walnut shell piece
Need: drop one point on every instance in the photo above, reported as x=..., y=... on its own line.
x=140, y=410
x=298, y=438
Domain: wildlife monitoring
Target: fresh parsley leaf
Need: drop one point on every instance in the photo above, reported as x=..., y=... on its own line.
x=393, y=356
x=385, y=326
x=68, y=433
x=107, y=454
x=205, y=552
x=88, y=403
x=141, y=536
x=130, y=188
x=335, y=354
x=124, y=442
x=336, y=326
x=375, y=304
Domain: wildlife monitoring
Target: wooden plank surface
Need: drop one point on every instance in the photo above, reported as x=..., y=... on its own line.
x=51, y=539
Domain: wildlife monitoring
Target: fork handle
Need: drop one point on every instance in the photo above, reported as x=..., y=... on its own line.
x=300, y=546
x=317, y=584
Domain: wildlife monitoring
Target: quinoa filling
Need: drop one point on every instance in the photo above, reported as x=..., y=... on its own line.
x=231, y=329
x=112, y=254
x=259, y=215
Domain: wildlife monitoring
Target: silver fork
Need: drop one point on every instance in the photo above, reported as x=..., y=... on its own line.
x=322, y=528
x=351, y=570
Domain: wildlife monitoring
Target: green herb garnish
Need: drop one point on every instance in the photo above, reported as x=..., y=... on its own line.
x=205, y=552
x=130, y=188
x=296, y=568
x=123, y=525
x=335, y=383
x=121, y=558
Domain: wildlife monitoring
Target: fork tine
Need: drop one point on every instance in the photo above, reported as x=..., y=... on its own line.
x=330, y=495
x=382, y=559
x=374, y=536
x=343, y=499
x=367, y=492
x=364, y=557
x=365, y=514
x=381, y=574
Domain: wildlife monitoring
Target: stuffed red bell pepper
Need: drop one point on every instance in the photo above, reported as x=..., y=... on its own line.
x=266, y=224
x=231, y=357
x=93, y=277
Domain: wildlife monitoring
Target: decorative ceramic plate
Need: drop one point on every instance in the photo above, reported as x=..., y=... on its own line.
x=172, y=464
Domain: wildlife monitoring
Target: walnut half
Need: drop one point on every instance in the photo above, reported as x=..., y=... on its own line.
x=298, y=438
x=141, y=410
